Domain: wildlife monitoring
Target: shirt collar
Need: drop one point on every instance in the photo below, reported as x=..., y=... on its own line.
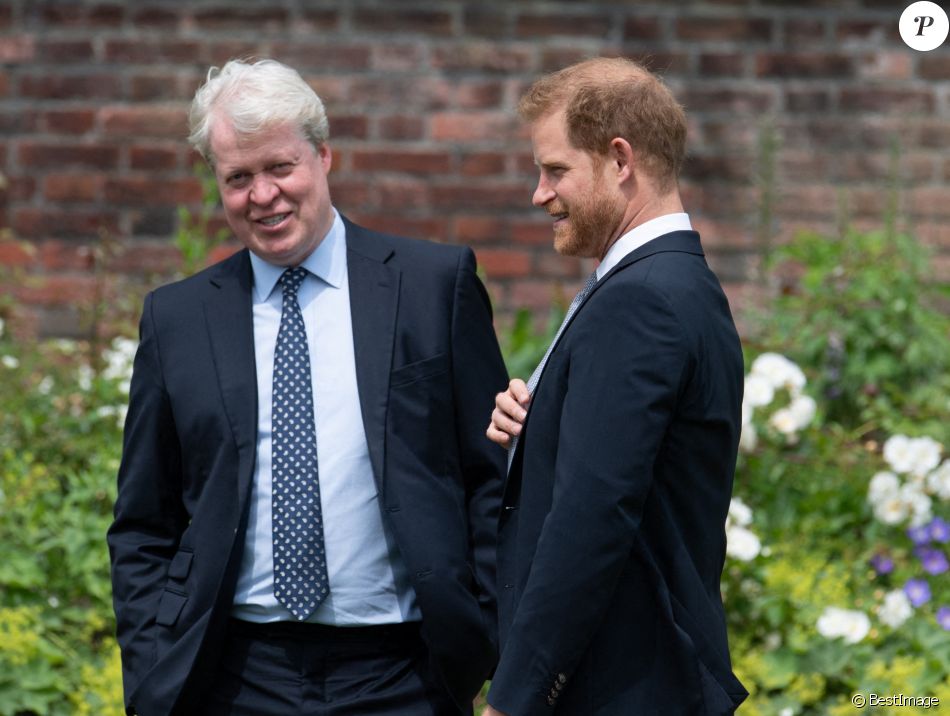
x=640, y=235
x=327, y=262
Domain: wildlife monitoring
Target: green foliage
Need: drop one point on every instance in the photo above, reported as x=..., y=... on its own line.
x=523, y=347
x=59, y=451
x=194, y=237
x=863, y=322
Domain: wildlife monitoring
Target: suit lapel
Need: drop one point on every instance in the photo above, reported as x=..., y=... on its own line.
x=374, y=297
x=230, y=322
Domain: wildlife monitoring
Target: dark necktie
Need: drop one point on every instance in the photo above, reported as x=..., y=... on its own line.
x=536, y=375
x=300, y=565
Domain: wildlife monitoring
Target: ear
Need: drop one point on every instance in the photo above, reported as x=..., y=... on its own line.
x=326, y=156
x=621, y=157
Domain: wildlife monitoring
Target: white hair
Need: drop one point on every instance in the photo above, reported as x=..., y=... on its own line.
x=255, y=95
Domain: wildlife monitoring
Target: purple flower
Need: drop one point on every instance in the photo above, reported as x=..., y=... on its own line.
x=917, y=591
x=939, y=530
x=934, y=561
x=882, y=563
x=919, y=535
x=943, y=618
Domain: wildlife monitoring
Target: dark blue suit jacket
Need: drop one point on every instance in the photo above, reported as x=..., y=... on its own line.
x=611, y=541
x=428, y=367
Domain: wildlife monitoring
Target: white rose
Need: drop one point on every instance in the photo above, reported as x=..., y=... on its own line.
x=892, y=510
x=883, y=485
x=784, y=421
x=896, y=609
x=938, y=482
x=803, y=408
x=780, y=372
x=739, y=513
x=850, y=625
x=742, y=544
x=925, y=455
x=10, y=362
x=758, y=391
x=898, y=454
x=748, y=438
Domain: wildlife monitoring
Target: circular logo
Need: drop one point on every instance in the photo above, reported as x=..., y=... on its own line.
x=924, y=26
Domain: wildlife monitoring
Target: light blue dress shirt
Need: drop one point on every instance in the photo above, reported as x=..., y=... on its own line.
x=369, y=583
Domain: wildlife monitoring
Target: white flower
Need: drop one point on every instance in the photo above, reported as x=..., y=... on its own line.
x=938, y=482
x=883, y=486
x=787, y=711
x=896, y=609
x=2, y=326
x=847, y=624
x=891, y=510
x=119, y=357
x=917, y=456
x=758, y=391
x=803, y=408
x=918, y=503
x=748, y=438
x=85, y=374
x=780, y=372
x=10, y=362
x=742, y=544
x=45, y=386
x=739, y=513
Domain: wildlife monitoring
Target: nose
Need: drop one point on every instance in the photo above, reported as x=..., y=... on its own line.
x=543, y=193
x=263, y=190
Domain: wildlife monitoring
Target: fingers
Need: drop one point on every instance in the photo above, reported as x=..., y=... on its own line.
x=508, y=416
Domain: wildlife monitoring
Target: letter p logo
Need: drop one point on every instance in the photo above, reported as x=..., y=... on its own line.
x=924, y=26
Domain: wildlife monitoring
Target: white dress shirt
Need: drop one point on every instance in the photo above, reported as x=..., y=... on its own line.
x=369, y=583
x=639, y=235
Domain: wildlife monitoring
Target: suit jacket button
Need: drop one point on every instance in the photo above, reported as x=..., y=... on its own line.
x=562, y=678
x=558, y=685
x=550, y=701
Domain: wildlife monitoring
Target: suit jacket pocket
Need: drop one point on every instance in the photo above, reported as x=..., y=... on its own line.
x=169, y=607
x=181, y=564
x=419, y=370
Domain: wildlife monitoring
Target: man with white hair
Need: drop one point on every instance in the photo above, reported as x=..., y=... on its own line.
x=307, y=502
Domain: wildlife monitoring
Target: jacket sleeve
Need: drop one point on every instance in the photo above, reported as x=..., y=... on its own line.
x=625, y=370
x=478, y=374
x=149, y=515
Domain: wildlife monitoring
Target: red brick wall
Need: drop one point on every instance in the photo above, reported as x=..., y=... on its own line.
x=421, y=95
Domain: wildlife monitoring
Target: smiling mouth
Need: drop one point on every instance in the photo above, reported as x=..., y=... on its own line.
x=559, y=217
x=273, y=220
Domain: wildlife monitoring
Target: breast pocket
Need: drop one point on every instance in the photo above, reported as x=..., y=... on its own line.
x=421, y=415
x=419, y=370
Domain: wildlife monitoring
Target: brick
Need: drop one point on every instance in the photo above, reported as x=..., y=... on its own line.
x=349, y=126
x=155, y=221
x=146, y=257
x=323, y=57
x=478, y=228
x=144, y=121
x=69, y=121
x=147, y=191
x=724, y=29
x=57, y=156
x=220, y=50
x=533, y=232
x=65, y=51
x=390, y=20
x=16, y=254
x=320, y=19
x=479, y=95
x=488, y=21
x=722, y=64
x=471, y=126
x=151, y=52
x=73, y=187
x=57, y=289
x=66, y=256
x=796, y=64
x=34, y=223
x=724, y=99
x=158, y=17
x=425, y=93
x=642, y=28
x=553, y=265
x=929, y=201
x=238, y=17
x=6, y=16
x=728, y=167
x=498, y=195
x=63, y=86
x=388, y=223
x=544, y=25
x=392, y=57
x=807, y=100
x=934, y=67
x=504, y=263
x=152, y=88
x=883, y=65
x=483, y=57
x=662, y=63
x=350, y=193
x=4, y=85
x=409, y=162
x=152, y=158
x=934, y=134
x=874, y=32
x=483, y=164
x=400, y=127
x=805, y=32
x=17, y=188
x=896, y=101
x=17, y=49
x=399, y=194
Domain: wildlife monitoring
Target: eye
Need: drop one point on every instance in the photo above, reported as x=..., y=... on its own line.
x=237, y=180
x=282, y=168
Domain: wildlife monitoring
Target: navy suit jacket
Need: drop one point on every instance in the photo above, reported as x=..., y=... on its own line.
x=611, y=541
x=428, y=367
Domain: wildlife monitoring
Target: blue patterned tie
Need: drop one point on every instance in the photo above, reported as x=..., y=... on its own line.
x=536, y=375
x=300, y=565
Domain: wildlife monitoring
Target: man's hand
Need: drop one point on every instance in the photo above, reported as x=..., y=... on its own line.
x=509, y=413
x=489, y=711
